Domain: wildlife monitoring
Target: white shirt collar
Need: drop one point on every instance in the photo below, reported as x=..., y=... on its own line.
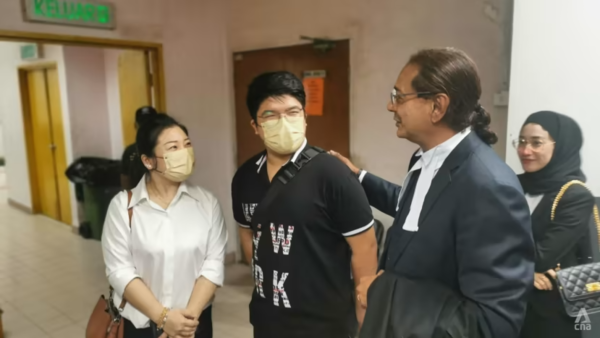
x=297, y=153
x=140, y=192
x=438, y=154
x=430, y=162
x=261, y=161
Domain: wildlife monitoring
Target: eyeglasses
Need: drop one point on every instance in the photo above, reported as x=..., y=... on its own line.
x=396, y=97
x=535, y=144
x=271, y=115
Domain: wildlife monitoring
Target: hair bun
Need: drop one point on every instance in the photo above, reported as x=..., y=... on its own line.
x=145, y=114
x=480, y=122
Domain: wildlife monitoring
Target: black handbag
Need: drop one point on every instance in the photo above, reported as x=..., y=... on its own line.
x=579, y=285
x=580, y=288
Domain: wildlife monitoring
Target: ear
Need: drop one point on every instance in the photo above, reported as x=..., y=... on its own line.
x=147, y=163
x=440, y=106
x=254, y=126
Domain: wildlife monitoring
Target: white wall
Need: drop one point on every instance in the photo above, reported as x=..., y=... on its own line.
x=113, y=99
x=87, y=97
x=193, y=34
x=383, y=34
x=556, y=66
x=200, y=96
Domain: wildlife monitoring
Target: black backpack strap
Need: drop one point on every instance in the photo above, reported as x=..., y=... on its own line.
x=292, y=168
x=283, y=176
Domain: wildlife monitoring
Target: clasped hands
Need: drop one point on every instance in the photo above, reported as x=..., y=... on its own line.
x=181, y=323
x=542, y=282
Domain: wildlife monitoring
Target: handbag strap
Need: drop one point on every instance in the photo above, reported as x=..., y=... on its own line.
x=560, y=194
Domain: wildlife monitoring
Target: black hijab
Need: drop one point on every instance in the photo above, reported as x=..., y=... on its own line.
x=565, y=164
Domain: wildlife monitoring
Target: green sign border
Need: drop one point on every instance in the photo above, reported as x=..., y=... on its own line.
x=29, y=15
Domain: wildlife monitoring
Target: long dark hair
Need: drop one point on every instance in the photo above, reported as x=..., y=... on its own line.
x=451, y=72
x=146, y=139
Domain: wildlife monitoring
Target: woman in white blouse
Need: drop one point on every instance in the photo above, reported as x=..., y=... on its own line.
x=168, y=262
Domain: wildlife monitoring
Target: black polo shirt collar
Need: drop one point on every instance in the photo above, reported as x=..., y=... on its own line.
x=263, y=159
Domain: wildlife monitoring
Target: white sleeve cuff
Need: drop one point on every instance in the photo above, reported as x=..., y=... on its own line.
x=213, y=270
x=361, y=176
x=359, y=230
x=121, y=278
x=243, y=226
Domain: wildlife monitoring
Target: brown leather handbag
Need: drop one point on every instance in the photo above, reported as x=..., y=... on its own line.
x=106, y=321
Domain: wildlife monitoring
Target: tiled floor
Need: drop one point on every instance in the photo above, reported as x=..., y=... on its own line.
x=50, y=279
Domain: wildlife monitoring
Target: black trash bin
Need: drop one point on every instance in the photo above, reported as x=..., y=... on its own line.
x=99, y=179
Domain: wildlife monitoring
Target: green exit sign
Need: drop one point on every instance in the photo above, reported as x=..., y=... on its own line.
x=87, y=13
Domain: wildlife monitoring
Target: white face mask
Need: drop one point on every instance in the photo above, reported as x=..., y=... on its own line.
x=179, y=164
x=285, y=135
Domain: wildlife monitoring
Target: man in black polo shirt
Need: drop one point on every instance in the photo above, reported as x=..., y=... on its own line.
x=305, y=222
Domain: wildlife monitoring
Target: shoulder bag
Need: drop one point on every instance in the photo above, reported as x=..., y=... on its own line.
x=105, y=321
x=579, y=285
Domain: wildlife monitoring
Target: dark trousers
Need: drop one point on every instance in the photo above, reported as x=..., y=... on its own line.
x=204, y=330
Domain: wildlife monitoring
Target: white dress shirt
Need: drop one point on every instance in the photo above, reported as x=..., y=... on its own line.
x=429, y=163
x=168, y=249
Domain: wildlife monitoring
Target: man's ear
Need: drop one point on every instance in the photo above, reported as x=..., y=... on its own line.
x=440, y=107
x=254, y=126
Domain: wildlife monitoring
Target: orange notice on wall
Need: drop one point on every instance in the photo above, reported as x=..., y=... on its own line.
x=315, y=88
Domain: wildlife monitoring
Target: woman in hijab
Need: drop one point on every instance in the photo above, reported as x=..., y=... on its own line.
x=548, y=147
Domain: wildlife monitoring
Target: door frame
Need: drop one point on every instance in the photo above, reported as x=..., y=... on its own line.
x=29, y=138
x=74, y=40
x=157, y=69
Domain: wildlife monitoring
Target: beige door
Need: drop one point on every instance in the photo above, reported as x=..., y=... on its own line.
x=135, y=89
x=45, y=143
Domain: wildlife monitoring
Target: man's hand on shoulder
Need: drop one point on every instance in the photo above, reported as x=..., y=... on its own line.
x=345, y=160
